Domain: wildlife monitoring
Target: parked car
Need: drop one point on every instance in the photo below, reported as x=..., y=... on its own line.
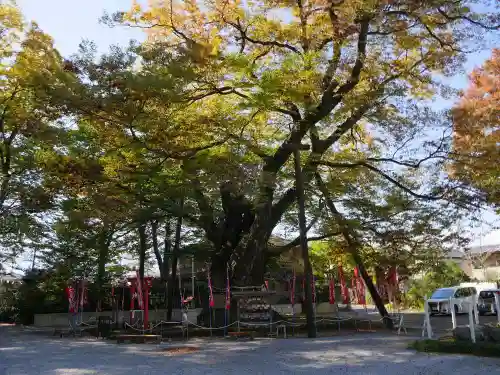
x=439, y=303
x=486, y=301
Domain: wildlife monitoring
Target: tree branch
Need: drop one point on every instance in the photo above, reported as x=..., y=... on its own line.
x=468, y=19
x=244, y=36
x=319, y=148
x=224, y=90
x=383, y=174
x=296, y=242
x=207, y=219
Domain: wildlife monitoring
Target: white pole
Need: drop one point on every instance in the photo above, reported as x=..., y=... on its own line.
x=497, y=305
x=453, y=313
x=476, y=311
x=427, y=321
x=471, y=320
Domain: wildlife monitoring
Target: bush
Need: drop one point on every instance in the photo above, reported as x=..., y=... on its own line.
x=480, y=349
x=9, y=312
x=443, y=275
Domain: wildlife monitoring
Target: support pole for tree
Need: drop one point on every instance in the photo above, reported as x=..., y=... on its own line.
x=353, y=246
x=299, y=186
x=193, y=276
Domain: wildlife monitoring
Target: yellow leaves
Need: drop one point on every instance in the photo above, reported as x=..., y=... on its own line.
x=11, y=29
x=136, y=7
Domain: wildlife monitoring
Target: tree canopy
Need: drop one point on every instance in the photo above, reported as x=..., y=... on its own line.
x=197, y=126
x=28, y=125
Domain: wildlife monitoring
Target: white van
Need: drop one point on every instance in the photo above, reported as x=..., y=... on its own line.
x=439, y=303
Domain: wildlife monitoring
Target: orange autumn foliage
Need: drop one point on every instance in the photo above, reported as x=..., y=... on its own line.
x=476, y=140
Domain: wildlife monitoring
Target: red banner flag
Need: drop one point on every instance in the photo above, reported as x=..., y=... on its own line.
x=70, y=293
x=343, y=286
x=140, y=298
x=210, y=291
x=331, y=291
x=228, y=293
x=392, y=277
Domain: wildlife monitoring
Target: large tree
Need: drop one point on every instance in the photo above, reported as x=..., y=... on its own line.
x=313, y=71
x=477, y=130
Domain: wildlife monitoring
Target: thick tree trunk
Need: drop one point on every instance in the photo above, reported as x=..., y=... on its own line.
x=299, y=185
x=249, y=260
x=175, y=259
x=103, y=257
x=167, y=250
x=142, y=249
x=353, y=246
x=156, y=249
x=171, y=285
x=218, y=269
x=5, y=172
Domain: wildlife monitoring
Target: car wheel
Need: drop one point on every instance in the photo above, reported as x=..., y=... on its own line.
x=456, y=309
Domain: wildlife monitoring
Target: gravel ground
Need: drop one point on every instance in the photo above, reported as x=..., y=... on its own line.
x=374, y=354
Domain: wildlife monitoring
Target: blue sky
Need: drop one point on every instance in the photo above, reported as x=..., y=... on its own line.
x=70, y=21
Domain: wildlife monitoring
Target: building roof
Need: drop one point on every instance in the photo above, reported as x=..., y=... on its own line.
x=9, y=278
x=475, y=250
x=487, y=249
x=456, y=254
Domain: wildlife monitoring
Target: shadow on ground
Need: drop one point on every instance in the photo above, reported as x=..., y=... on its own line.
x=384, y=354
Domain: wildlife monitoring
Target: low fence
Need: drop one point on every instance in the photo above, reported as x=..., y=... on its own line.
x=61, y=319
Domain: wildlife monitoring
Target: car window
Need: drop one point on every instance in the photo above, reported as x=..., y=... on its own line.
x=442, y=293
x=459, y=293
x=473, y=290
x=486, y=294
